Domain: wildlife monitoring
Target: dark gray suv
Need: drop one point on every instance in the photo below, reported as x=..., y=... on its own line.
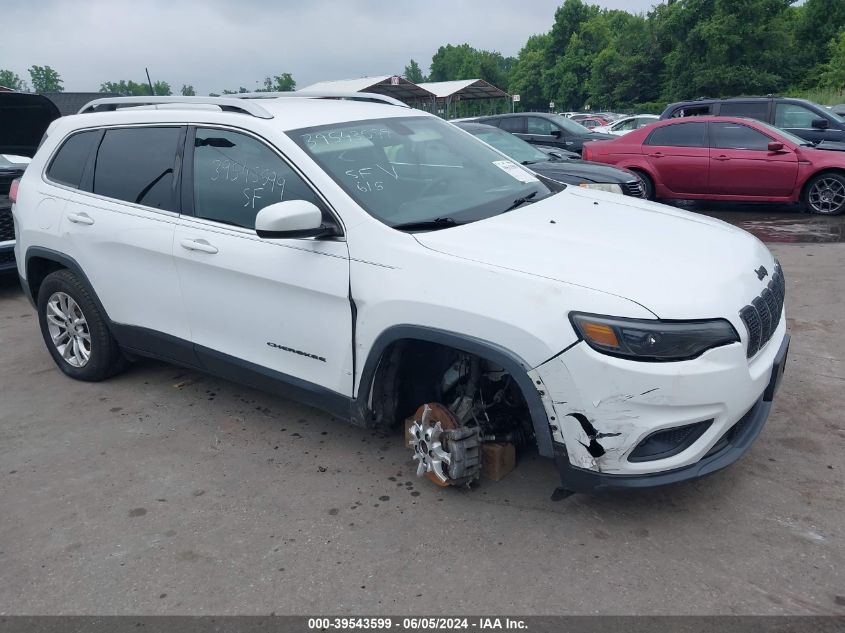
x=551, y=130
x=803, y=118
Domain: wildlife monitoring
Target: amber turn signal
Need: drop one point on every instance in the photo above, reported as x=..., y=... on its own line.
x=600, y=334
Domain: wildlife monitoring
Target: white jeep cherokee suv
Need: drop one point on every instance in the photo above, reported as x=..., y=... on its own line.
x=383, y=265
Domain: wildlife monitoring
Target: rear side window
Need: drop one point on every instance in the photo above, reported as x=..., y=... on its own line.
x=136, y=165
x=512, y=124
x=691, y=110
x=678, y=135
x=736, y=136
x=69, y=162
x=235, y=176
x=750, y=109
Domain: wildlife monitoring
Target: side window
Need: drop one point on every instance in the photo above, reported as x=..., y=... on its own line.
x=136, y=165
x=735, y=136
x=624, y=126
x=791, y=115
x=678, y=135
x=69, y=162
x=536, y=125
x=750, y=109
x=513, y=124
x=691, y=110
x=235, y=176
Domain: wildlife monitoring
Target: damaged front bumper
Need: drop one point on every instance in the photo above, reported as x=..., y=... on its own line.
x=603, y=411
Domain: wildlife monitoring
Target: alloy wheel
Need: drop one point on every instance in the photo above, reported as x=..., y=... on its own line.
x=827, y=195
x=68, y=329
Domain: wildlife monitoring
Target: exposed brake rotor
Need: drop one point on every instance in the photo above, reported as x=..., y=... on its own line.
x=446, y=453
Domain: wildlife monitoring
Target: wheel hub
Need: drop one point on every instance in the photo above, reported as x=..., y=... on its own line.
x=427, y=441
x=445, y=452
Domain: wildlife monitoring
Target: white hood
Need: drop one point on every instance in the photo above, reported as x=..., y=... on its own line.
x=677, y=264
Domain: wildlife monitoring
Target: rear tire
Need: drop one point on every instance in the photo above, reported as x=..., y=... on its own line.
x=648, y=184
x=825, y=194
x=75, y=331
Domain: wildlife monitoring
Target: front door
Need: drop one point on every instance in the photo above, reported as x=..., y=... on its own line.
x=798, y=120
x=742, y=165
x=540, y=131
x=277, y=308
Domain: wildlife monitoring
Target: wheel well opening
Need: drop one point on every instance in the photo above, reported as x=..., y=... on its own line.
x=477, y=391
x=838, y=172
x=37, y=269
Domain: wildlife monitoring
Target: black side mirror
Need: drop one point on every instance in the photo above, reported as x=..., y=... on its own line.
x=557, y=133
x=820, y=124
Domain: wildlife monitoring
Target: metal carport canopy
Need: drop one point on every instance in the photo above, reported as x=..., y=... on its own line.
x=464, y=88
x=404, y=90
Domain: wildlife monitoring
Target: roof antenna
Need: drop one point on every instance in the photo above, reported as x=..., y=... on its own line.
x=152, y=92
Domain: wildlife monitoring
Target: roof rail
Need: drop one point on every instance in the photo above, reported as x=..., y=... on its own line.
x=371, y=97
x=227, y=104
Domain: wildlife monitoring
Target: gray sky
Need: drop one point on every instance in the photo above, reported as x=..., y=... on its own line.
x=217, y=44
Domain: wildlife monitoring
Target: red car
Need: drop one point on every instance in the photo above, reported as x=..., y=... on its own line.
x=728, y=158
x=590, y=121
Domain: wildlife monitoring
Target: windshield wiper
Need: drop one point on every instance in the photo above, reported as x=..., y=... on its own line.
x=532, y=162
x=520, y=201
x=427, y=225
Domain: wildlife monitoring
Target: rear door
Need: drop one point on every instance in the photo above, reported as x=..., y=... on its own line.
x=679, y=157
x=742, y=165
x=759, y=109
x=119, y=224
x=513, y=124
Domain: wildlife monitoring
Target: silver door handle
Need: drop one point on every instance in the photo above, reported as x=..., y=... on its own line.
x=80, y=218
x=199, y=245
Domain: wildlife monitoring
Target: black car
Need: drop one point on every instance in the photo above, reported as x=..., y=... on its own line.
x=545, y=129
x=24, y=118
x=571, y=171
x=802, y=118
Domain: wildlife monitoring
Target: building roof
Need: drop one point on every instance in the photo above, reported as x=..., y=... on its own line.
x=464, y=88
x=390, y=85
x=72, y=102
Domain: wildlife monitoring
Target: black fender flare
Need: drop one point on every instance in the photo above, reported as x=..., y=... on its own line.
x=67, y=262
x=495, y=353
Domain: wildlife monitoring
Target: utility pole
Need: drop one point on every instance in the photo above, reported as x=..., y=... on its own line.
x=149, y=81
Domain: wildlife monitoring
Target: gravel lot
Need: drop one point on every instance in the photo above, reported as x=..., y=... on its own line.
x=166, y=491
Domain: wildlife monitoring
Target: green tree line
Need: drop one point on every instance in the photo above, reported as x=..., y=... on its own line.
x=47, y=79
x=681, y=49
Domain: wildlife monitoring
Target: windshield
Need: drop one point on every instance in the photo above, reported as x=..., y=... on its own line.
x=573, y=127
x=418, y=169
x=507, y=143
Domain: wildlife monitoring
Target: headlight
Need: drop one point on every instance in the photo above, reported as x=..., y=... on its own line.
x=648, y=340
x=602, y=186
